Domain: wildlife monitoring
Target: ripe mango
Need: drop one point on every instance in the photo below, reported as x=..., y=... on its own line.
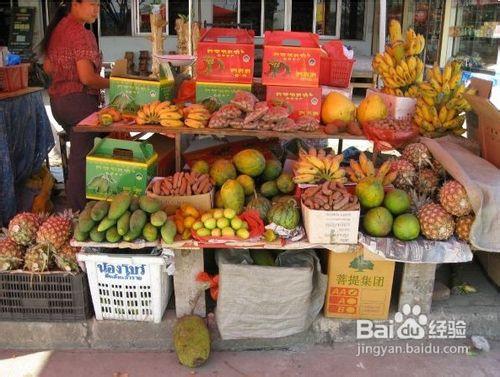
x=122, y=224
x=99, y=210
x=119, y=205
x=150, y=232
x=168, y=231
x=137, y=221
x=149, y=205
x=112, y=235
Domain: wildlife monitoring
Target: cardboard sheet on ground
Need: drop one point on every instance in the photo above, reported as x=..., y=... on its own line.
x=268, y=302
x=481, y=180
x=418, y=251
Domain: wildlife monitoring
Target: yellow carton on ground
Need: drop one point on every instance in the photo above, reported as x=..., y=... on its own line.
x=359, y=285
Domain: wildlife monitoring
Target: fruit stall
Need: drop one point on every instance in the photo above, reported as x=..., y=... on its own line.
x=279, y=210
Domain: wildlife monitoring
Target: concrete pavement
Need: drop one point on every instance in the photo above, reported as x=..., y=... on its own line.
x=318, y=361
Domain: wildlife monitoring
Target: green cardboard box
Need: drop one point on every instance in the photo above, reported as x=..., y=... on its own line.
x=140, y=89
x=119, y=165
x=223, y=91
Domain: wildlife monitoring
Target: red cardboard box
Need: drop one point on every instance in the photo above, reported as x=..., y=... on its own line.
x=291, y=59
x=304, y=101
x=225, y=55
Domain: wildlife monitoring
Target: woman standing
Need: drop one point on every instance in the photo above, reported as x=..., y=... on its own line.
x=73, y=61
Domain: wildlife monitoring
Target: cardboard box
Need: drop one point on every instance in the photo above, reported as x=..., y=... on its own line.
x=119, y=165
x=359, y=285
x=291, y=59
x=202, y=202
x=491, y=264
x=224, y=92
x=331, y=227
x=140, y=89
x=325, y=90
x=225, y=55
x=398, y=107
x=165, y=149
x=304, y=101
x=488, y=131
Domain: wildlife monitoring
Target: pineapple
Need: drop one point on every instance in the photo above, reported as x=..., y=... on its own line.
x=23, y=228
x=435, y=222
x=462, y=227
x=11, y=254
x=427, y=181
x=55, y=231
x=418, y=200
x=454, y=199
x=65, y=258
x=418, y=155
x=37, y=258
x=406, y=173
x=439, y=169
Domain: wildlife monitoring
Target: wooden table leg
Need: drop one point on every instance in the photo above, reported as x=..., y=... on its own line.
x=188, y=263
x=417, y=286
x=341, y=143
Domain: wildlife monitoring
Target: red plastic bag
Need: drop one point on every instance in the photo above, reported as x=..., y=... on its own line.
x=335, y=49
x=387, y=138
x=186, y=92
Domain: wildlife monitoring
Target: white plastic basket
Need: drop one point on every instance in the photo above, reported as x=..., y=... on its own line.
x=125, y=287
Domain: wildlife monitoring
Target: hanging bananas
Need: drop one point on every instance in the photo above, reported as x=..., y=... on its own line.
x=441, y=104
x=399, y=66
x=316, y=166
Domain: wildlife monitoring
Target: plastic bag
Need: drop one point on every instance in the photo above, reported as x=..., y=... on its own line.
x=387, y=138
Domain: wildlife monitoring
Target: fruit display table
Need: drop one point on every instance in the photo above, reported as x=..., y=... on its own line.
x=25, y=140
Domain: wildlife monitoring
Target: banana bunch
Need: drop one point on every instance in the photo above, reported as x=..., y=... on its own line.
x=196, y=116
x=441, y=105
x=316, y=166
x=399, y=66
x=164, y=113
x=364, y=168
x=412, y=91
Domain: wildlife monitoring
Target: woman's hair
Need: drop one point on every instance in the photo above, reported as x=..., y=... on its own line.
x=62, y=11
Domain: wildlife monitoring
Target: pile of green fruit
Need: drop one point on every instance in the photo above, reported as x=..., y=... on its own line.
x=387, y=212
x=248, y=172
x=221, y=222
x=124, y=218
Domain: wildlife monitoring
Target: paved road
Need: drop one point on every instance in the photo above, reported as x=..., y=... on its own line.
x=317, y=361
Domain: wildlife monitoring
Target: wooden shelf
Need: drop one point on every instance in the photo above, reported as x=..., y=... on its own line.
x=215, y=132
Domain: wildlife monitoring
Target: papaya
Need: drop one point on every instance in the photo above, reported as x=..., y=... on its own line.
x=261, y=205
x=168, y=231
x=85, y=222
x=90, y=204
x=269, y=189
x=134, y=203
x=191, y=341
x=149, y=205
x=150, y=232
x=222, y=170
x=233, y=195
x=131, y=236
x=272, y=170
x=247, y=183
x=80, y=235
x=97, y=236
x=137, y=221
x=112, y=235
x=99, y=210
x=122, y=224
x=105, y=224
x=285, y=183
x=218, y=200
x=201, y=166
x=119, y=205
x=250, y=162
x=158, y=218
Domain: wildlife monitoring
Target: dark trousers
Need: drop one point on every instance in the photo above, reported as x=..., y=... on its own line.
x=68, y=111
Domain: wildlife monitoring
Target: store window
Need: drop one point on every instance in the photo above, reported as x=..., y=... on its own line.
x=353, y=19
x=174, y=9
x=116, y=18
x=251, y=15
x=302, y=15
x=225, y=12
x=143, y=9
x=326, y=17
x=274, y=15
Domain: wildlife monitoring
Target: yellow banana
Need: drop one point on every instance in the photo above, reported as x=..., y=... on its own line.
x=172, y=123
x=384, y=169
x=305, y=178
x=388, y=59
x=427, y=114
x=145, y=110
x=443, y=114
x=395, y=31
x=167, y=115
x=199, y=116
x=355, y=166
x=435, y=84
x=315, y=161
x=193, y=123
x=306, y=170
x=447, y=73
x=436, y=74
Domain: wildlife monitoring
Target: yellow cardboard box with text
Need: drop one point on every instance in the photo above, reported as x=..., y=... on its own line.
x=359, y=285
